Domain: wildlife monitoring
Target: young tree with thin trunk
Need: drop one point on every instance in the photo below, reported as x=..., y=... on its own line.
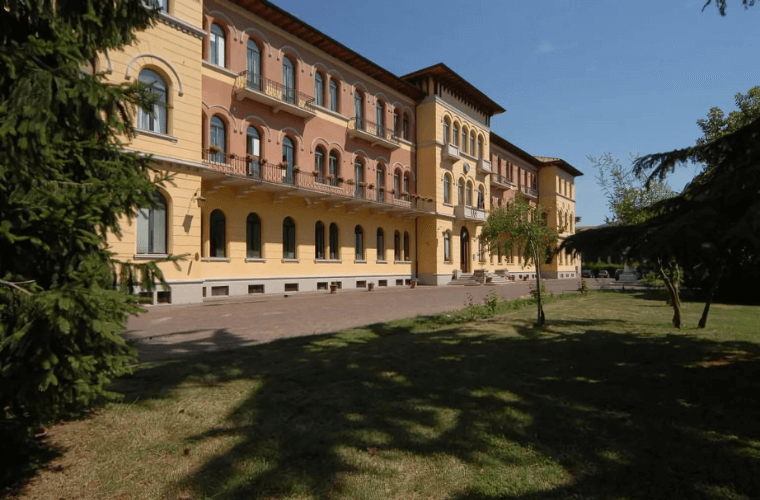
x=521, y=226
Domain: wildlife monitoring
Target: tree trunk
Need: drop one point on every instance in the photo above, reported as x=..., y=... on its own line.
x=540, y=318
x=710, y=294
x=673, y=291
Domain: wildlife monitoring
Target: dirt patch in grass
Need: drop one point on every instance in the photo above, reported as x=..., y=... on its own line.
x=606, y=401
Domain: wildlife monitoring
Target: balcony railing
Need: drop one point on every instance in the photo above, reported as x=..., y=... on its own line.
x=484, y=166
x=450, y=152
x=470, y=213
x=502, y=181
x=252, y=168
x=275, y=94
x=529, y=191
x=372, y=132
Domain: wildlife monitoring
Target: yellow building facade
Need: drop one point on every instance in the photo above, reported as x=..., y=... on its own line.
x=297, y=164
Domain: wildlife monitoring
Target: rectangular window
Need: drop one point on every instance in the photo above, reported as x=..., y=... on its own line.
x=291, y=287
x=399, y=282
x=255, y=289
x=220, y=291
x=382, y=283
x=361, y=284
x=322, y=285
x=163, y=297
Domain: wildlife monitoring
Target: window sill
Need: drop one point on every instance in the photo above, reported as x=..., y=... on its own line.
x=290, y=261
x=360, y=261
x=156, y=135
x=328, y=261
x=256, y=259
x=382, y=262
x=216, y=259
x=150, y=256
x=402, y=261
x=220, y=69
x=448, y=205
x=449, y=262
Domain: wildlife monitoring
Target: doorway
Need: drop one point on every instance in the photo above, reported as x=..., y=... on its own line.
x=464, y=250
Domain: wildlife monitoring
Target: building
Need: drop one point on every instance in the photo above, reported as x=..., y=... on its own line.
x=297, y=163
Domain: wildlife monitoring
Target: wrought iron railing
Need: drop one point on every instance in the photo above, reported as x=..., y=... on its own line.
x=381, y=131
x=253, y=168
x=258, y=83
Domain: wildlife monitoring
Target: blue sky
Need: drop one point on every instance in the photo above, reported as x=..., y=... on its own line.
x=576, y=77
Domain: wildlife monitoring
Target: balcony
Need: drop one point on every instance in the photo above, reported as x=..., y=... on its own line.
x=470, y=213
x=247, y=174
x=502, y=182
x=274, y=95
x=484, y=166
x=373, y=133
x=529, y=191
x=450, y=152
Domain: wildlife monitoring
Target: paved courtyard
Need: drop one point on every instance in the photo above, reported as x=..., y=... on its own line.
x=169, y=331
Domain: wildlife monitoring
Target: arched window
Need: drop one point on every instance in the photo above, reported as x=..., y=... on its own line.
x=333, y=168
x=468, y=195
x=405, y=127
x=253, y=236
x=460, y=192
x=407, y=256
x=359, y=109
x=472, y=142
x=481, y=255
x=396, y=246
x=380, y=245
x=319, y=164
x=253, y=66
x=406, y=186
x=380, y=182
x=288, y=239
x=481, y=198
x=333, y=95
x=151, y=227
x=358, y=178
x=319, y=240
x=288, y=80
x=334, y=243
x=218, y=241
x=216, y=47
x=446, y=188
x=288, y=159
x=455, y=134
x=464, y=139
x=446, y=130
x=253, y=148
x=447, y=246
x=480, y=147
x=153, y=119
x=358, y=243
x=396, y=124
x=217, y=140
x=319, y=89
x=380, y=118
x=396, y=184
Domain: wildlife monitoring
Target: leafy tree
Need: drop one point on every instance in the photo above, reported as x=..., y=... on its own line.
x=629, y=199
x=524, y=227
x=65, y=182
x=721, y=5
x=717, y=124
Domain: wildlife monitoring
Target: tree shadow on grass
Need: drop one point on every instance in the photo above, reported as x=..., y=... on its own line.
x=623, y=415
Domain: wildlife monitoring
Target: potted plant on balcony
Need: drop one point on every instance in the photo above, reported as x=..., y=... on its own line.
x=315, y=173
x=340, y=179
x=350, y=182
x=363, y=184
x=214, y=149
x=371, y=186
x=296, y=168
x=233, y=156
x=252, y=158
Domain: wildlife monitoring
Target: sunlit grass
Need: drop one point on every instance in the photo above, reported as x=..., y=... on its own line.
x=606, y=401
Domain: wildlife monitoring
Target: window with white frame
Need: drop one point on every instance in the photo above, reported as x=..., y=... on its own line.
x=155, y=118
x=216, y=46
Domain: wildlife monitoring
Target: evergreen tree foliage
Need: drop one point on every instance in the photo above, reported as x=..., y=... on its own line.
x=64, y=183
x=524, y=227
x=722, y=4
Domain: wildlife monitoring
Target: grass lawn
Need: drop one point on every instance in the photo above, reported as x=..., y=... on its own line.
x=606, y=402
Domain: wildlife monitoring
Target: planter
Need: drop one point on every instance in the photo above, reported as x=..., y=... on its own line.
x=350, y=182
x=315, y=173
x=370, y=286
x=363, y=184
x=214, y=150
x=333, y=288
x=413, y=284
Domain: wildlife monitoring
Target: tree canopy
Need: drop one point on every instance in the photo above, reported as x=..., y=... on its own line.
x=722, y=4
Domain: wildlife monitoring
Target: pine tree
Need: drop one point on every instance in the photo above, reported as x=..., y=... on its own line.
x=65, y=181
